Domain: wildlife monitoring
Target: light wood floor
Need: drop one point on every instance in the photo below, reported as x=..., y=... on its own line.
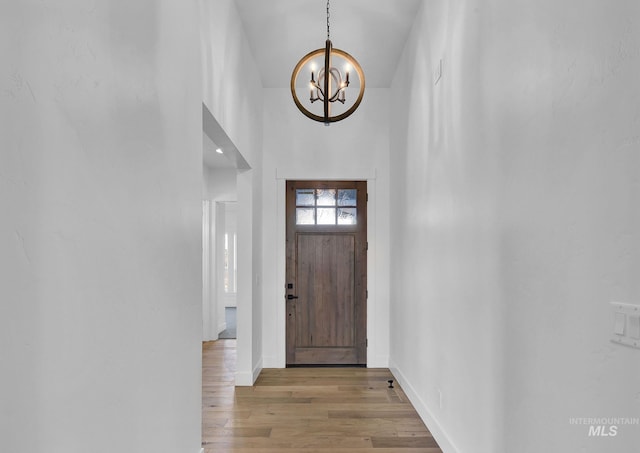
x=310, y=410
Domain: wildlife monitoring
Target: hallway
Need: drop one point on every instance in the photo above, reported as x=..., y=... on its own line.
x=335, y=410
x=500, y=145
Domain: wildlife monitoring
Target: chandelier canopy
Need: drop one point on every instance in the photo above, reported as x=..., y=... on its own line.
x=318, y=74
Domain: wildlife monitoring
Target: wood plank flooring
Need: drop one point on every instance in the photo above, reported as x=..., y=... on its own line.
x=308, y=410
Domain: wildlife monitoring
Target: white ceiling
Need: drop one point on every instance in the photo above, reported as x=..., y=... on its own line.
x=281, y=32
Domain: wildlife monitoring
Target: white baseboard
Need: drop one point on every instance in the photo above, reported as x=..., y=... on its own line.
x=256, y=371
x=247, y=379
x=439, y=434
x=244, y=379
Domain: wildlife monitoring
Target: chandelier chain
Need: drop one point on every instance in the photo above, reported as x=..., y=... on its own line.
x=328, y=15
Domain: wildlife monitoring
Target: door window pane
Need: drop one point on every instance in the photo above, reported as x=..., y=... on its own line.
x=305, y=216
x=347, y=197
x=326, y=216
x=326, y=197
x=318, y=206
x=305, y=197
x=347, y=216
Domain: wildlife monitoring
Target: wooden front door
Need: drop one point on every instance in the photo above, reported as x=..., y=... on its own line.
x=326, y=287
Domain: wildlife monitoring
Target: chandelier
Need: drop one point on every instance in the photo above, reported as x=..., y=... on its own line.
x=318, y=75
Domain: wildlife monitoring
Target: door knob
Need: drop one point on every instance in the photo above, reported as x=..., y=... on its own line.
x=291, y=296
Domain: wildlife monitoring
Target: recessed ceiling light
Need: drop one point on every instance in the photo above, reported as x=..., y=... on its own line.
x=219, y=151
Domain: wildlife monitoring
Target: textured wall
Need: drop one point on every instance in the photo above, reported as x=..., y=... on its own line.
x=231, y=84
x=445, y=234
x=517, y=222
x=100, y=226
x=567, y=124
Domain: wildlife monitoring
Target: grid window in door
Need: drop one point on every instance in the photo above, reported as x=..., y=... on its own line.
x=326, y=206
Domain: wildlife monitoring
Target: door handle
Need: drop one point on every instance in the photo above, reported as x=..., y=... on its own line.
x=291, y=296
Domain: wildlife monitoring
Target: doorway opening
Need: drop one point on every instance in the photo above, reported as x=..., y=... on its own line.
x=220, y=244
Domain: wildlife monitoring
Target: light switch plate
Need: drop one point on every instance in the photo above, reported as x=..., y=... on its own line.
x=626, y=324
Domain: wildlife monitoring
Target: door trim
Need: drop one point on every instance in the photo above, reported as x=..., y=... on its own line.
x=377, y=324
x=300, y=348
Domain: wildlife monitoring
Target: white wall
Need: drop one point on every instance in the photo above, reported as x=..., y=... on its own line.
x=569, y=120
x=231, y=81
x=100, y=231
x=221, y=184
x=209, y=280
x=233, y=94
x=517, y=176
x=296, y=147
x=446, y=322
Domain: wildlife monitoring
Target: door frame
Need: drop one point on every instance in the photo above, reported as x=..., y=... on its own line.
x=332, y=354
x=377, y=325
